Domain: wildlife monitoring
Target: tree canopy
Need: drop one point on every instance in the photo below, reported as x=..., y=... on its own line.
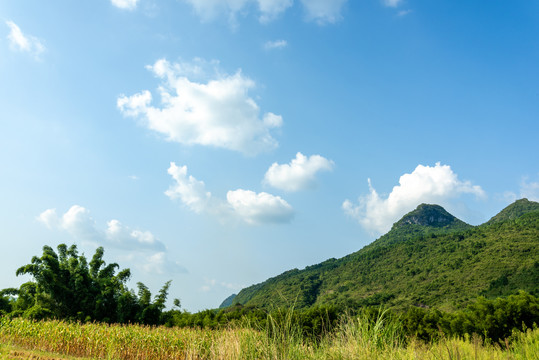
x=65, y=285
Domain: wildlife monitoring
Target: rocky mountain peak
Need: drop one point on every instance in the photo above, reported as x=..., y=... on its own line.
x=427, y=215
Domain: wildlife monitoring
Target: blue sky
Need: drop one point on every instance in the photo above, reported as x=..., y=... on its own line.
x=219, y=143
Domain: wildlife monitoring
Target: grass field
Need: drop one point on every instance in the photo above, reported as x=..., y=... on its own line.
x=355, y=338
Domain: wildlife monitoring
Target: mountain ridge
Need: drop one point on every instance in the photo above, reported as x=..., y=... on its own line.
x=417, y=262
x=515, y=210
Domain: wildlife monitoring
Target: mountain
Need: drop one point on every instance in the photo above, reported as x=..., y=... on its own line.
x=428, y=258
x=426, y=219
x=515, y=210
x=227, y=302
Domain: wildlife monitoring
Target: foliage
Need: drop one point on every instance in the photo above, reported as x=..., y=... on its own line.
x=229, y=301
x=494, y=320
x=418, y=265
x=66, y=286
x=515, y=210
x=356, y=337
x=425, y=220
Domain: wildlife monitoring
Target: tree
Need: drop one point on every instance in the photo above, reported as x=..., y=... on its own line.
x=66, y=286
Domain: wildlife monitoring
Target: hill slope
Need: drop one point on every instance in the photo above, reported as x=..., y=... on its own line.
x=515, y=210
x=421, y=261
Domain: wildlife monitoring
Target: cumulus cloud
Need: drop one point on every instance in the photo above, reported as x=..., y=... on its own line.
x=323, y=11
x=18, y=41
x=139, y=247
x=79, y=224
x=49, y=218
x=259, y=208
x=271, y=9
x=121, y=236
x=189, y=190
x=276, y=44
x=320, y=11
x=217, y=113
x=299, y=174
x=248, y=206
x=125, y=4
x=425, y=184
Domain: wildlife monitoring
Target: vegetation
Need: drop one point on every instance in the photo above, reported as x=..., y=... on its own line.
x=443, y=264
x=66, y=286
x=492, y=320
x=355, y=337
x=424, y=221
x=515, y=210
x=432, y=288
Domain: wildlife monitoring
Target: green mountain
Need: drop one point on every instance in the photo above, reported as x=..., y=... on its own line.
x=426, y=219
x=428, y=258
x=515, y=210
x=227, y=302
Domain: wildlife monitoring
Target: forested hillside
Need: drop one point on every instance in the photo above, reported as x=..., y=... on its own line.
x=429, y=258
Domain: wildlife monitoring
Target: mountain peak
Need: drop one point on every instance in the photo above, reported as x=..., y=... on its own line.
x=427, y=215
x=515, y=210
x=425, y=219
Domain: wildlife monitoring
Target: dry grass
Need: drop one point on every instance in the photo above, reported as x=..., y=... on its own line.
x=356, y=338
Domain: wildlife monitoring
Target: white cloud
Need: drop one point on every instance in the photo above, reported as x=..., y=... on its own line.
x=79, y=224
x=25, y=43
x=210, y=9
x=49, y=218
x=320, y=11
x=248, y=206
x=391, y=3
x=136, y=104
x=217, y=113
x=276, y=44
x=324, y=11
x=259, y=208
x=300, y=174
x=123, y=237
x=188, y=189
x=529, y=190
x=425, y=184
x=271, y=9
x=125, y=4
x=141, y=248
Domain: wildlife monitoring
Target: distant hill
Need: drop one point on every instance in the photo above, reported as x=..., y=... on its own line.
x=428, y=258
x=515, y=210
x=227, y=302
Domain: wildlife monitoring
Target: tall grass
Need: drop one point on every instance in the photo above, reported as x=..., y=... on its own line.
x=356, y=337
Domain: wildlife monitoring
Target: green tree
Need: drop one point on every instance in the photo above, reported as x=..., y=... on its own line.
x=66, y=286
